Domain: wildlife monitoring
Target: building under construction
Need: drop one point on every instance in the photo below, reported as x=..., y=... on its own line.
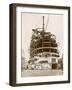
x=44, y=52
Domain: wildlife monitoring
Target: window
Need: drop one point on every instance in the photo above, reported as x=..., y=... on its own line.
x=53, y=60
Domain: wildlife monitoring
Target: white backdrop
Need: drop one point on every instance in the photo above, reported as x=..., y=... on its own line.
x=4, y=45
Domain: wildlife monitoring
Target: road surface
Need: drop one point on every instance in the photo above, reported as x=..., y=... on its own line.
x=29, y=73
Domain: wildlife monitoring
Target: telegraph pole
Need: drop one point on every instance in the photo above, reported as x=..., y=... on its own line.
x=42, y=35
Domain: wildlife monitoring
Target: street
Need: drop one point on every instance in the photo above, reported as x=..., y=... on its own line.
x=29, y=73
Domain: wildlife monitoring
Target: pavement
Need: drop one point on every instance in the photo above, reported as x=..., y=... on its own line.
x=30, y=73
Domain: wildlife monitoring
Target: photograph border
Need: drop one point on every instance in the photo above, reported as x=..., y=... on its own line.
x=12, y=43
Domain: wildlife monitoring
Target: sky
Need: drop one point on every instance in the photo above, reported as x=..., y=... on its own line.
x=32, y=20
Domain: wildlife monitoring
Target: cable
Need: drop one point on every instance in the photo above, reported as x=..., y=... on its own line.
x=47, y=21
